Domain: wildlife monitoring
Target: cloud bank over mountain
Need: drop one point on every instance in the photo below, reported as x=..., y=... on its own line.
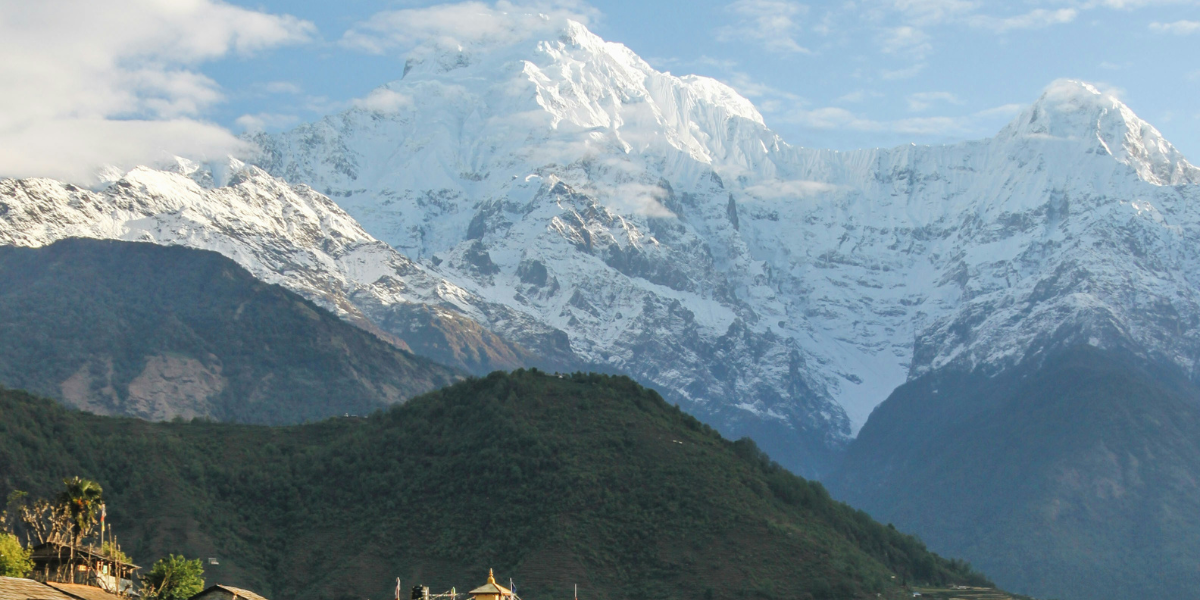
x=89, y=85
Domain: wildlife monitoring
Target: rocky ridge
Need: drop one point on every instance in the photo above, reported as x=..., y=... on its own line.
x=283, y=234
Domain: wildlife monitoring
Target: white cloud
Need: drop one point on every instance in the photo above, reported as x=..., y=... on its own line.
x=1004, y=110
x=1177, y=28
x=281, y=87
x=799, y=188
x=906, y=40
x=463, y=25
x=92, y=84
x=1132, y=4
x=769, y=23
x=923, y=100
x=931, y=12
x=638, y=199
x=264, y=121
x=751, y=88
x=905, y=73
x=858, y=96
x=834, y=118
x=76, y=150
x=1034, y=19
x=383, y=100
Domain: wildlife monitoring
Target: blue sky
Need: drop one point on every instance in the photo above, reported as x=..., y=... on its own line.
x=825, y=74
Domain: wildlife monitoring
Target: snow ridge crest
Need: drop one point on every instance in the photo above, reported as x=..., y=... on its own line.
x=1071, y=110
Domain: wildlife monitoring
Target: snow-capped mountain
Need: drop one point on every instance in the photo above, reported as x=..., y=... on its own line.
x=558, y=201
x=578, y=189
x=773, y=290
x=282, y=234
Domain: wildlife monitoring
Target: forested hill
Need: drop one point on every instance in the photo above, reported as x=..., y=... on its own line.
x=159, y=332
x=551, y=480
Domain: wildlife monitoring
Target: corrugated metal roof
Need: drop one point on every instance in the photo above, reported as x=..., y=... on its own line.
x=14, y=588
x=83, y=592
x=237, y=592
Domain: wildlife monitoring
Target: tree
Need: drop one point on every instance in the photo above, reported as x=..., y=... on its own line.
x=14, y=560
x=82, y=499
x=42, y=521
x=113, y=551
x=174, y=578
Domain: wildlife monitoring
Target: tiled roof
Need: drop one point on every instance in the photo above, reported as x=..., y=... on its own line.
x=13, y=588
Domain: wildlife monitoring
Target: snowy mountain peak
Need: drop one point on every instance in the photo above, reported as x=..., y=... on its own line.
x=660, y=225
x=1079, y=112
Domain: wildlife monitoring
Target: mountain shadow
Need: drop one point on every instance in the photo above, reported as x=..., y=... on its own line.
x=162, y=332
x=1075, y=476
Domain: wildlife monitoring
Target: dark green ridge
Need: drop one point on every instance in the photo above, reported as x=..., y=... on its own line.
x=1073, y=476
x=551, y=480
x=157, y=332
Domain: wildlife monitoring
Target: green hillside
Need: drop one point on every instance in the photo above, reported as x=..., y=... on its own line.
x=1075, y=476
x=553, y=481
x=162, y=332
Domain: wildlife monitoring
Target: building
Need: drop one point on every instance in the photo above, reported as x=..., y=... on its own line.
x=59, y=563
x=226, y=592
x=85, y=592
x=14, y=588
x=491, y=590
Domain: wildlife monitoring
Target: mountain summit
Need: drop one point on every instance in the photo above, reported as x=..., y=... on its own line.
x=1074, y=111
x=773, y=290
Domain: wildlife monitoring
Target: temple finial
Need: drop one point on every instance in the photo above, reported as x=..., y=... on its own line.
x=491, y=577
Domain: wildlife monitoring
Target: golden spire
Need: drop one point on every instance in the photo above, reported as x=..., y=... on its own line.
x=491, y=578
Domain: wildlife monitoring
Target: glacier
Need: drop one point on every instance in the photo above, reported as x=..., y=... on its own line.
x=814, y=281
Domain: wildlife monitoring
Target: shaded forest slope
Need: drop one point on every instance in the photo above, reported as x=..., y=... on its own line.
x=554, y=481
x=1073, y=476
x=161, y=332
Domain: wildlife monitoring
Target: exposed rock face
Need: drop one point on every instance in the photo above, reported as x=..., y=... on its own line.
x=168, y=387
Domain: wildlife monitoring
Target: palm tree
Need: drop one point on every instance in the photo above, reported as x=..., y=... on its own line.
x=81, y=500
